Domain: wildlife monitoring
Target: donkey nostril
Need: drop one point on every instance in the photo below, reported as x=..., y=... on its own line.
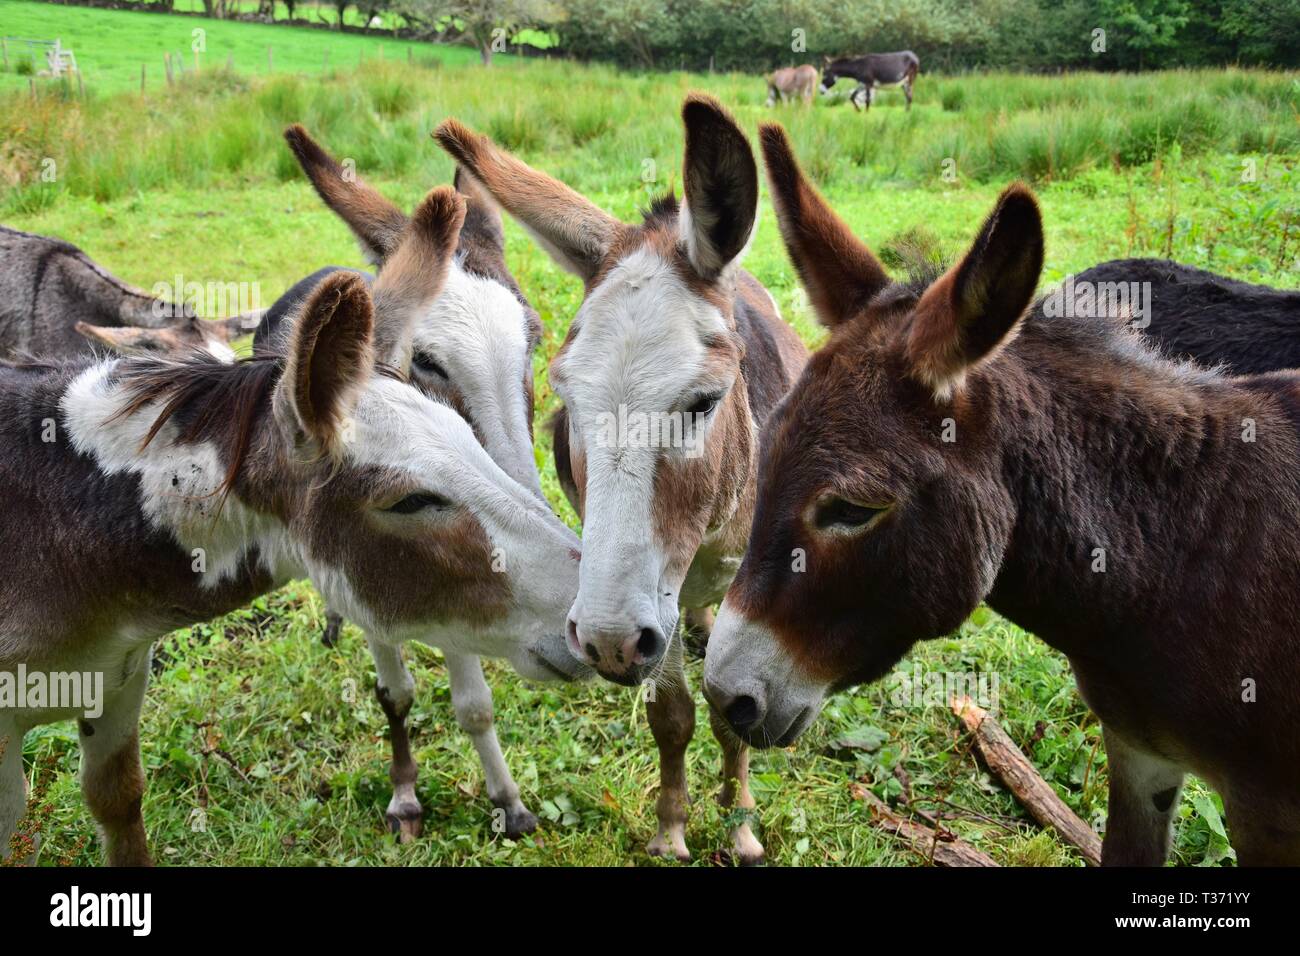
x=648, y=644
x=742, y=712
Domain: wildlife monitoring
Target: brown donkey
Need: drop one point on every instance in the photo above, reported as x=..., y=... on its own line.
x=1141, y=516
x=143, y=495
x=674, y=358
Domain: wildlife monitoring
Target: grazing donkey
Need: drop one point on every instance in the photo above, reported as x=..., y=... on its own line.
x=1206, y=317
x=673, y=360
x=790, y=83
x=872, y=72
x=173, y=491
x=55, y=302
x=472, y=350
x=1141, y=516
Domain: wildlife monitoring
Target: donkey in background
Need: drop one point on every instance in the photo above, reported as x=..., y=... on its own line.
x=1141, y=516
x=215, y=482
x=1211, y=319
x=472, y=350
x=790, y=83
x=55, y=302
x=672, y=331
x=872, y=72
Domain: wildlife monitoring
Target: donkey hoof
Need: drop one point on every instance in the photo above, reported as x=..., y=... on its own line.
x=669, y=845
x=745, y=848
x=406, y=825
x=519, y=820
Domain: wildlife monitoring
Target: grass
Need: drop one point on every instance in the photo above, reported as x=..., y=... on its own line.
x=264, y=747
x=111, y=46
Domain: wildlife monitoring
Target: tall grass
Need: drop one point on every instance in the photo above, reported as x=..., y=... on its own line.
x=607, y=128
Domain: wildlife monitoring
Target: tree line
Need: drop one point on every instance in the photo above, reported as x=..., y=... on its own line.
x=756, y=35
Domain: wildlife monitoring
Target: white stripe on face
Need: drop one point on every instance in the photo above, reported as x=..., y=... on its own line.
x=747, y=662
x=477, y=331
x=639, y=353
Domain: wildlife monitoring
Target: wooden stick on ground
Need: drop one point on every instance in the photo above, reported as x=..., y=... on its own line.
x=1004, y=758
x=920, y=838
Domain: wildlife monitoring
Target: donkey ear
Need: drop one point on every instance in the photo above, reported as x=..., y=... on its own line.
x=415, y=273
x=573, y=231
x=721, y=183
x=976, y=307
x=839, y=273
x=130, y=340
x=375, y=221
x=330, y=356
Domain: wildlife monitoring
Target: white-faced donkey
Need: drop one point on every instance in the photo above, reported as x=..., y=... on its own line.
x=472, y=349
x=674, y=359
x=141, y=495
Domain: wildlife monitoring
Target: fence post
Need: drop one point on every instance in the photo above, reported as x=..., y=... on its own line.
x=142, y=79
x=270, y=61
x=4, y=48
x=167, y=65
x=81, y=86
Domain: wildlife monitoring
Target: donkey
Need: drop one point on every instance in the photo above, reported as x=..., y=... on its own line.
x=674, y=359
x=56, y=302
x=472, y=349
x=1141, y=516
x=214, y=482
x=1208, y=318
x=790, y=83
x=872, y=71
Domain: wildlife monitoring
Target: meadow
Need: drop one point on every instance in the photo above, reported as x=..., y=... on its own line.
x=262, y=746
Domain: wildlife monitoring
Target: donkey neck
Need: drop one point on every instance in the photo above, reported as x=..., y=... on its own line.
x=1136, y=500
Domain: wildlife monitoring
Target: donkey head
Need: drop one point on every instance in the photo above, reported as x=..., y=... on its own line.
x=473, y=345
x=872, y=530
x=402, y=519
x=658, y=428
x=186, y=335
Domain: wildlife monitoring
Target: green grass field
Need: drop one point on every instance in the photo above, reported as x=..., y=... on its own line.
x=274, y=742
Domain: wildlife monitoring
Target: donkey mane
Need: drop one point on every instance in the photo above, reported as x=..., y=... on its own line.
x=662, y=211
x=211, y=400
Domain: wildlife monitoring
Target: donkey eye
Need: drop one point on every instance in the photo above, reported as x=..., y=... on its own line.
x=418, y=502
x=843, y=513
x=426, y=363
x=705, y=404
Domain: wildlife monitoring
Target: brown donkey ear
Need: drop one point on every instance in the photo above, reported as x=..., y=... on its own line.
x=839, y=273
x=415, y=273
x=572, y=230
x=330, y=356
x=375, y=221
x=976, y=307
x=721, y=183
x=129, y=340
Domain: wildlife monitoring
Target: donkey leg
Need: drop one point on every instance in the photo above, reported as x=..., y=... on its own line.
x=13, y=785
x=471, y=697
x=735, y=789
x=907, y=91
x=1144, y=791
x=112, y=779
x=395, y=689
x=1264, y=833
x=671, y=713
x=333, y=624
x=698, y=627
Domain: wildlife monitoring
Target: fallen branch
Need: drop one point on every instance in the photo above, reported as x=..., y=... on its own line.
x=943, y=849
x=1005, y=760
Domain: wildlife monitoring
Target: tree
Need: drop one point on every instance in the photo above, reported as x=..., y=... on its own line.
x=484, y=24
x=1146, y=26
